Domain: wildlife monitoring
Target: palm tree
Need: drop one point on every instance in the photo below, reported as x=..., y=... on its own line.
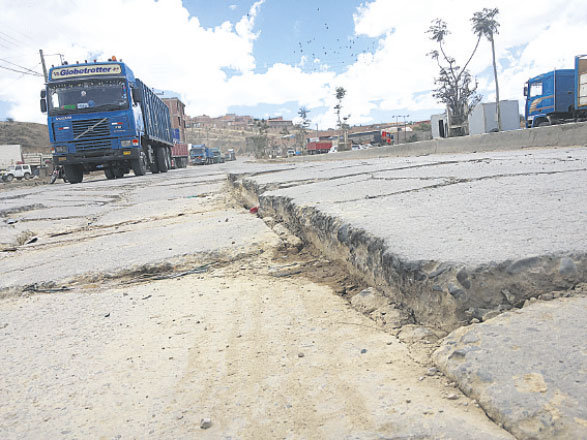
x=485, y=25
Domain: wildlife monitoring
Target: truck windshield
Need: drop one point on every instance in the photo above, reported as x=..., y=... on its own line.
x=87, y=96
x=197, y=151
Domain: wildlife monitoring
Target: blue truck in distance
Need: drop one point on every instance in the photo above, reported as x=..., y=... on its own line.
x=200, y=154
x=558, y=96
x=101, y=117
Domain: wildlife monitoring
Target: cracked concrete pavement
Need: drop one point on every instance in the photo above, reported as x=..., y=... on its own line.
x=181, y=305
x=447, y=240
x=535, y=385
x=451, y=230
x=112, y=226
x=459, y=239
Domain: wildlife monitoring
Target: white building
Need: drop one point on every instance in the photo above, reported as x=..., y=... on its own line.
x=483, y=118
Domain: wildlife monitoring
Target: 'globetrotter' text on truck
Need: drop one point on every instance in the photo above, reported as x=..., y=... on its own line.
x=558, y=96
x=101, y=117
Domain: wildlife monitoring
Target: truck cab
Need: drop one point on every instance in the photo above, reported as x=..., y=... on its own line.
x=101, y=117
x=549, y=97
x=199, y=155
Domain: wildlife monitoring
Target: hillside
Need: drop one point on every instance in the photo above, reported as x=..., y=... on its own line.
x=34, y=138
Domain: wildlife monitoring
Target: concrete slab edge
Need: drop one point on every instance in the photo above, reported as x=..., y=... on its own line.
x=439, y=294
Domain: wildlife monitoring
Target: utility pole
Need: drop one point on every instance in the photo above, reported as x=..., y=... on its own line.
x=43, y=64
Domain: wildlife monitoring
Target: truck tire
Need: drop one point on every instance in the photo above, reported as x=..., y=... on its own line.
x=139, y=166
x=8, y=178
x=27, y=176
x=118, y=172
x=74, y=173
x=109, y=173
x=162, y=159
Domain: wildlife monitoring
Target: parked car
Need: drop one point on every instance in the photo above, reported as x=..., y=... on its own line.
x=17, y=171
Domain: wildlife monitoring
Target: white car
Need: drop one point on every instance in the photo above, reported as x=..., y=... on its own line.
x=18, y=172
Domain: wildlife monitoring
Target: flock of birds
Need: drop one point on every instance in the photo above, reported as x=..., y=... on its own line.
x=342, y=52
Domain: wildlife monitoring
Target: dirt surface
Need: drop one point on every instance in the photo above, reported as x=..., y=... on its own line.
x=261, y=353
x=259, y=338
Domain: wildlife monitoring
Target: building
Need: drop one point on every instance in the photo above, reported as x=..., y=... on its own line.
x=483, y=118
x=439, y=125
x=230, y=120
x=279, y=122
x=178, y=118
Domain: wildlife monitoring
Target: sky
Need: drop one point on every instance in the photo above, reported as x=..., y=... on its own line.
x=270, y=57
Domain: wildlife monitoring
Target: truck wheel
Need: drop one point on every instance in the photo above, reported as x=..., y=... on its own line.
x=109, y=173
x=162, y=159
x=118, y=172
x=139, y=166
x=544, y=124
x=8, y=178
x=74, y=173
x=27, y=176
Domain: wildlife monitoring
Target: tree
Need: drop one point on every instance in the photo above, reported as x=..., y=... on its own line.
x=485, y=25
x=341, y=122
x=260, y=141
x=302, y=126
x=455, y=86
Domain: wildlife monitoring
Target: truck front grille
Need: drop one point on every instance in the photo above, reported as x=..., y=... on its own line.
x=91, y=145
x=91, y=128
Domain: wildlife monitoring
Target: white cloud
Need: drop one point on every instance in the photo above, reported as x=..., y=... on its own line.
x=165, y=47
x=177, y=53
x=547, y=33
x=233, y=7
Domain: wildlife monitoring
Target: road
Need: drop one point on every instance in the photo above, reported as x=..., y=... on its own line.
x=138, y=307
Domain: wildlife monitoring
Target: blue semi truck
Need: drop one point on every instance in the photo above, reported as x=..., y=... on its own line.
x=101, y=117
x=558, y=96
x=200, y=154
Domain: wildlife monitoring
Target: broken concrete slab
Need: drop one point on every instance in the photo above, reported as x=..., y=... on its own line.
x=526, y=368
x=448, y=237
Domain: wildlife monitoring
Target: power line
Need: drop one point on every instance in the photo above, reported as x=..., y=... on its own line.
x=18, y=65
x=20, y=71
x=21, y=75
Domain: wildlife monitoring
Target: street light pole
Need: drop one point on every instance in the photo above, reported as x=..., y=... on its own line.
x=396, y=130
x=405, y=128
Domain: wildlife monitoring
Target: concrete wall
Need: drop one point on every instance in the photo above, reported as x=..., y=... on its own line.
x=567, y=135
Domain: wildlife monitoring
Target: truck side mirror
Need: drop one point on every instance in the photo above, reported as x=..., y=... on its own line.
x=525, y=90
x=43, y=106
x=136, y=95
x=43, y=94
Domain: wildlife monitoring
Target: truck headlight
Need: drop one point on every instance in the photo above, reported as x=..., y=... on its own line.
x=60, y=149
x=126, y=143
